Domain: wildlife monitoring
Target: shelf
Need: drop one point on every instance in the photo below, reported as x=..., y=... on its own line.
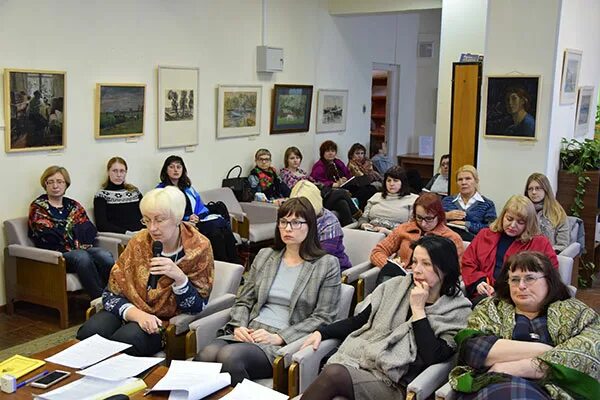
x=377, y=115
x=377, y=98
x=380, y=81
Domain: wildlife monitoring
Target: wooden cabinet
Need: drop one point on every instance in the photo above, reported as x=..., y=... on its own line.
x=423, y=164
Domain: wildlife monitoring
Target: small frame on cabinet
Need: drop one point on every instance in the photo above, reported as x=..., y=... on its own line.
x=570, y=76
x=177, y=106
x=584, y=110
x=512, y=106
x=239, y=111
x=120, y=110
x=290, y=108
x=34, y=110
x=332, y=110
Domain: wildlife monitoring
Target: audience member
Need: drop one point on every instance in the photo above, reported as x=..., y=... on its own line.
x=439, y=183
x=532, y=341
x=469, y=211
x=291, y=290
x=263, y=178
x=515, y=230
x=380, y=159
x=117, y=204
x=551, y=216
x=408, y=325
x=61, y=224
x=360, y=165
x=145, y=291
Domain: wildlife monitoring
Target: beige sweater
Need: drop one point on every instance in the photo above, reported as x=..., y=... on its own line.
x=389, y=212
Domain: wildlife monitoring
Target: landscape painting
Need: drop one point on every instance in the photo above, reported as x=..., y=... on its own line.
x=179, y=105
x=120, y=110
x=239, y=111
x=570, y=76
x=332, y=110
x=290, y=109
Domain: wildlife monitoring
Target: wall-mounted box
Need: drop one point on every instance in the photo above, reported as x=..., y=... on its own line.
x=269, y=59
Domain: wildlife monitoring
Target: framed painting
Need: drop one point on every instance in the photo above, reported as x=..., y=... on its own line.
x=119, y=110
x=570, y=76
x=290, y=108
x=238, y=111
x=584, y=114
x=332, y=109
x=34, y=110
x=511, y=106
x=177, y=106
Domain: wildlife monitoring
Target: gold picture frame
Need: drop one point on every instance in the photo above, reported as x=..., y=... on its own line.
x=119, y=110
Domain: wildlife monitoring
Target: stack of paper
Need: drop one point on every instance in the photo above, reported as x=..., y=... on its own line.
x=189, y=380
x=88, y=352
x=248, y=390
x=89, y=388
x=120, y=367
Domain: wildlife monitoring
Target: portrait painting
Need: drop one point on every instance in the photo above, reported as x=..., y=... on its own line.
x=238, y=111
x=511, y=107
x=34, y=110
x=290, y=108
x=570, y=76
x=119, y=110
x=332, y=110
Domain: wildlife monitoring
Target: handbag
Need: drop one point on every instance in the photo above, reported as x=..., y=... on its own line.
x=239, y=185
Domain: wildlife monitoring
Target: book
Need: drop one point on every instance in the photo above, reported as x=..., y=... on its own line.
x=450, y=224
x=18, y=366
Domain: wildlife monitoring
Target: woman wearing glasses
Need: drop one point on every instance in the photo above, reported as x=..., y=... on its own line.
x=263, y=179
x=291, y=290
x=61, y=224
x=144, y=291
x=515, y=230
x=428, y=218
x=531, y=341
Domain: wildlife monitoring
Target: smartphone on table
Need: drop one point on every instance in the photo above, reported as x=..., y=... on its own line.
x=48, y=380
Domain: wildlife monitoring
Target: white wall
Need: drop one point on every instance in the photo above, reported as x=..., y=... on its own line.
x=124, y=41
x=341, y=7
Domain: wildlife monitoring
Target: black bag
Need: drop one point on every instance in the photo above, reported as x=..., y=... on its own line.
x=240, y=186
x=218, y=207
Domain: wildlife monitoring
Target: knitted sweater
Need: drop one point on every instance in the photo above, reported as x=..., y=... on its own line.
x=559, y=236
x=479, y=215
x=389, y=212
x=117, y=209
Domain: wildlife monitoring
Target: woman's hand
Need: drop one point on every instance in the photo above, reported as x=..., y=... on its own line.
x=455, y=215
x=383, y=230
x=262, y=336
x=529, y=368
x=367, y=227
x=418, y=298
x=166, y=266
x=194, y=219
x=485, y=289
x=243, y=334
x=278, y=202
x=148, y=323
x=314, y=340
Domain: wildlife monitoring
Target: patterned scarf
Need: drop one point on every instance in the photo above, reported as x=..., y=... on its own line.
x=266, y=178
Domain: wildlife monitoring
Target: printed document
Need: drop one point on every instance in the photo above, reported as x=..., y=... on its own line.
x=189, y=380
x=120, y=367
x=88, y=352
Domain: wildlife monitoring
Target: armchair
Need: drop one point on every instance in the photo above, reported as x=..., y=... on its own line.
x=40, y=276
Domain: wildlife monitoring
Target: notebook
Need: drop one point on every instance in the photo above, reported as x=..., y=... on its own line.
x=18, y=366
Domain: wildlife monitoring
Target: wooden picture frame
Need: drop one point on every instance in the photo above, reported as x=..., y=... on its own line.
x=583, y=117
x=290, y=108
x=570, y=76
x=511, y=106
x=119, y=110
x=239, y=111
x=34, y=110
x=332, y=110
x=177, y=119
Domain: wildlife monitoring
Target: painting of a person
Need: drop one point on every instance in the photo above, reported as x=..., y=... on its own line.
x=518, y=106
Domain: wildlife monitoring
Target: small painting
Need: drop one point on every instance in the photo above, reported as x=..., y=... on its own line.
x=239, y=111
x=34, y=110
x=332, y=110
x=120, y=110
x=511, y=107
x=584, y=110
x=179, y=105
x=290, y=109
x=570, y=76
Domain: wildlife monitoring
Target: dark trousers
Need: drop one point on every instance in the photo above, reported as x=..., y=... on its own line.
x=362, y=193
x=221, y=240
x=92, y=266
x=111, y=327
x=339, y=200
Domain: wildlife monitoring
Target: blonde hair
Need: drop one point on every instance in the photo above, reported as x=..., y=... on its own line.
x=129, y=187
x=552, y=208
x=51, y=170
x=169, y=200
x=472, y=170
x=523, y=208
x=309, y=190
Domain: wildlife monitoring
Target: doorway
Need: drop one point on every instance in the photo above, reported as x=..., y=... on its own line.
x=384, y=109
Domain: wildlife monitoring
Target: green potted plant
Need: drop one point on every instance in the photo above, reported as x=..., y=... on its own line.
x=582, y=160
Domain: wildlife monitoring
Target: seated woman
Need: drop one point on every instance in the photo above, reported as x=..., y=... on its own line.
x=515, y=230
x=469, y=211
x=408, y=325
x=392, y=206
x=439, y=183
x=329, y=230
x=144, y=291
x=360, y=165
x=291, y=290
x=551, y=216
x=330, y=171
x=379, y=157
x=263, y=179
x=337, y=200
x=428, y=218
x=531, y=341
x=117, y=205
x=213, y=226
x=61, y=224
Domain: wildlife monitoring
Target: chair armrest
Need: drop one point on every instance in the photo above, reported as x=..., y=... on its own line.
x=353, y=272
x=571, y=251
x=309, y=361
x=370, y=280
x=289, y=349
x=33, y=253
x=97, y=304
x=182, y=321
x=445, y=393
x=206, y=328
x=237, y=216
x=123, y=237
x=260, y=213
x=430, y=379
x=352, y=225
x=109, y=243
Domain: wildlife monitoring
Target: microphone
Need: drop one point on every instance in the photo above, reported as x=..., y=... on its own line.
x=157, y=248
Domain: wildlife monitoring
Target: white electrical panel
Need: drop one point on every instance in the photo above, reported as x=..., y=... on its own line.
x=269, y=59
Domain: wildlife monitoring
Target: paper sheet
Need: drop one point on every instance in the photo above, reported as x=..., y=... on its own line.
x=192, y=380
x=248, y=390
x=88, y=388
x=120, y=367
x=88, y=352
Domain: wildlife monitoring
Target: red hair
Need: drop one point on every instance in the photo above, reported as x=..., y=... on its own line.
x=432, y=204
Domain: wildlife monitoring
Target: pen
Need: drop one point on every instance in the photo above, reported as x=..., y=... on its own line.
x=25, y=382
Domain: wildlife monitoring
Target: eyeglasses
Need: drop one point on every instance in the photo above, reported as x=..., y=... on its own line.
x=295, y=224
x=527, y=279
x=534, y=189
x=264, y=159
x=157, y=221
x=59, y=182
x=421, y=218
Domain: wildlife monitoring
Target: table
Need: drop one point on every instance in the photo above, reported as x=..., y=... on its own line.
x=423, y=164
x=26, y=392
